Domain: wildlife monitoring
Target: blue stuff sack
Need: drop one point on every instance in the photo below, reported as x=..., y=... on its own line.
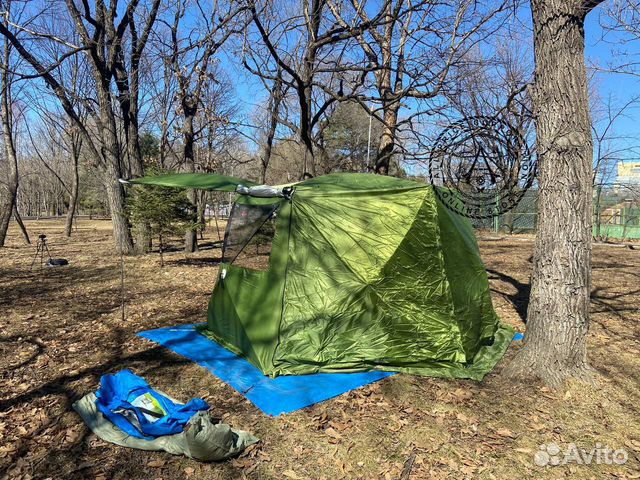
x=134, y=407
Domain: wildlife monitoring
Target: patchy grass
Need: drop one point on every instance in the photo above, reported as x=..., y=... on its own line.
x=61, y=329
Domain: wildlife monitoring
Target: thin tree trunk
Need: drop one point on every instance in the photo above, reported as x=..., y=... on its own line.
x=73, y=194
x=201, y=206
x=558, y=317
x=191, y=237
x=9, y=200
x=215, y=216
x=161, y=249
x=16, y=215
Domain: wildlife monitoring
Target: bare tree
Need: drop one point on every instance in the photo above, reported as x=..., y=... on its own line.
x=127, y=79
x=102, y=40
x=8, y=135
x=620, y=19
x=61, y=139
x=304, y=48
x=610, y=147
x=60, y=132
x=276, y=97
x=192, y=52
x=411, y=51
x=558, y=317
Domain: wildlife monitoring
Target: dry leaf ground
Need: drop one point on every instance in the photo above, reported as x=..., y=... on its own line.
x=61, y=329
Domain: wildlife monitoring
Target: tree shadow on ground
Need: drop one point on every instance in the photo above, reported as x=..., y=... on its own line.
x=178, y=247
x=60, y=385
x=67, y=388
x=84, y=456
x=519, y=299
x=194, y=262
x=31, y=285
x=12, y=347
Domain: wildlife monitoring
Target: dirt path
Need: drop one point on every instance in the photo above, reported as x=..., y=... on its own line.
x=61, y=329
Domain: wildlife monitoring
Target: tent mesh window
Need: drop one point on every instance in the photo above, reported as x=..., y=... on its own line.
x=251, y=229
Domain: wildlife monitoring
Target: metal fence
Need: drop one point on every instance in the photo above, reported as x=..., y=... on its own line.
x=523, y=218
x=616, y=216
x=617, y=212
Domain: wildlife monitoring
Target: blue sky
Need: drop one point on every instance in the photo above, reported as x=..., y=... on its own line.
x=599, y=51
x=622, y=87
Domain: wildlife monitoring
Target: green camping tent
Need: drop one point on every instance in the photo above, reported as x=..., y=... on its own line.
x=365, y=272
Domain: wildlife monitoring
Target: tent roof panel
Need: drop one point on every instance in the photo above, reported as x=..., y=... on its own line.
x=340, y=182
x=202, y=181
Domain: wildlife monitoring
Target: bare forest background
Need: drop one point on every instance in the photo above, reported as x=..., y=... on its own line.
x=272, y=91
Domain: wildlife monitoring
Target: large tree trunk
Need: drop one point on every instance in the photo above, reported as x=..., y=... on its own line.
x=115, y=191
x=111, y=155
x=558, y=315
x=387, y=140
x=128, y=100
x=306, y=134
x=390, y=105
x=308, y=161
x=116, y=198
x=9, y=197
x=275, y=99
x=143, y=232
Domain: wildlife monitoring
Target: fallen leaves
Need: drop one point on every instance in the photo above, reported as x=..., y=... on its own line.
x=189, y=471
x=457, y=428
x=633, y=445
x=505, y=432
x=156, y=463
x=291, y=474
x=335, y=436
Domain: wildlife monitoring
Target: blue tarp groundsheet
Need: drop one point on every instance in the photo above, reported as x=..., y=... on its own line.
x=273, y=396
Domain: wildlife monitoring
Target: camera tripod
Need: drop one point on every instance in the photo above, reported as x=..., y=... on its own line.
x=41, y=248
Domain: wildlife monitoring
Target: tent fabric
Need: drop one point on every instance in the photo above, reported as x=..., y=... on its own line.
x=128, y=402
x=201, y=181
x=273, y=396
x=366, y=272
x=201, y=439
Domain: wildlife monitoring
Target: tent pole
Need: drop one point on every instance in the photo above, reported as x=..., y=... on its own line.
x=122, y=286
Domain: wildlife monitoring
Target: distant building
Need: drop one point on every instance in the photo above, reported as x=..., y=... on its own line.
x=618, y=214
x=628, y=173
